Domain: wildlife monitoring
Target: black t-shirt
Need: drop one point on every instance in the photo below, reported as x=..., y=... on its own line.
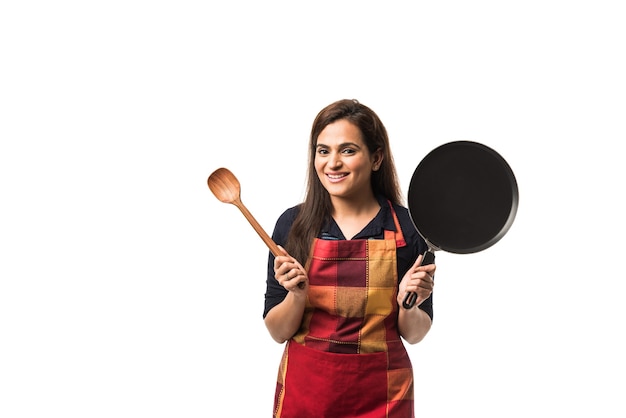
x=406, y=255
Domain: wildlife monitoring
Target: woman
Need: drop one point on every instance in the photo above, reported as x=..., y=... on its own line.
x=350, y=255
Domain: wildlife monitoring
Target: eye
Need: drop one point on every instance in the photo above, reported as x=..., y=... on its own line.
x=322, y=151
x=348, y=151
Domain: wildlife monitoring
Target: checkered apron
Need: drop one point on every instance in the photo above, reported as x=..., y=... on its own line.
x=347, y=359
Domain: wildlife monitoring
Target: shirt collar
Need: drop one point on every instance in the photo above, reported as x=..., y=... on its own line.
x=382, y=221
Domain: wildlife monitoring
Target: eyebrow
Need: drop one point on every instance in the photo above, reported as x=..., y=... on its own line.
x=342, y=145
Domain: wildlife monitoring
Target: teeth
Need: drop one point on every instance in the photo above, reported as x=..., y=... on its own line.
x=336, y=176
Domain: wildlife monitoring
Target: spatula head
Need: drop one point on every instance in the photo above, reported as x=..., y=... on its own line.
x=224, y=185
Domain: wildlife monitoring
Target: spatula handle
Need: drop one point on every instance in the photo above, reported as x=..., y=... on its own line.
x=259, y=230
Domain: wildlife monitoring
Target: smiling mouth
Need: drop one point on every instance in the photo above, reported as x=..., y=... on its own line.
x=336, y=176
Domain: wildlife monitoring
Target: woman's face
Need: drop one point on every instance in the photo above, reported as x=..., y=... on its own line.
x=343, y=162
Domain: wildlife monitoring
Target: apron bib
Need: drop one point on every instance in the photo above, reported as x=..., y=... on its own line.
x=347, y=358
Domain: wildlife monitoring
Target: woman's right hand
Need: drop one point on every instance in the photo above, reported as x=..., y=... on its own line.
x=289, y=272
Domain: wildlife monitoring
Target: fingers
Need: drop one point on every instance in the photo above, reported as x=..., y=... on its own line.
x=421, y=284
x=428, y=268
x=283, y=250
x=417, y=266
x=421, y=280
x=289, y=272
x=279, y=260
x=292, y=279
x=418, y=262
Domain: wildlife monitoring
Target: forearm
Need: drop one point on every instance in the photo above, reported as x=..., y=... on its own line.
x=413, y=324
x=284, y=319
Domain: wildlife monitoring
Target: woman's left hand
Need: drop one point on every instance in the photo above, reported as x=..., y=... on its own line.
x=419, y=279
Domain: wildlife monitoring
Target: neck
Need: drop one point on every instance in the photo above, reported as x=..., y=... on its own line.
x=352, y=215
x=354, y=207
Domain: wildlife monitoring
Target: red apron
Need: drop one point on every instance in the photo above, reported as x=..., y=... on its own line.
x=347, y=358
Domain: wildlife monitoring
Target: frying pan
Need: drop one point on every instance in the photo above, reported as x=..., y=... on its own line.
x=462, y=199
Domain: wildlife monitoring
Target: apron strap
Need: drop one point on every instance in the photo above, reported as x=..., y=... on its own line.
x=400, y=242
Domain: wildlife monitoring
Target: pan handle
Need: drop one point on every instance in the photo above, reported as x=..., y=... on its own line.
x=411, y=297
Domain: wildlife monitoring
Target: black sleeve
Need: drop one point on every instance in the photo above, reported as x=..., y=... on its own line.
x=275, y=293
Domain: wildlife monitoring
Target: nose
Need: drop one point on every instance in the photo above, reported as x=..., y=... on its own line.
x=335, y=160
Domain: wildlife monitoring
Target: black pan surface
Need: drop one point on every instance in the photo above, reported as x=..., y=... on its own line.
x=463, y=197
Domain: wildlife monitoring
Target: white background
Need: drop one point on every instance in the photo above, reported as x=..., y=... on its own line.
x=128, y=290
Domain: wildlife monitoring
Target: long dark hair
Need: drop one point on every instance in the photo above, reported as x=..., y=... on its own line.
x=315, y=210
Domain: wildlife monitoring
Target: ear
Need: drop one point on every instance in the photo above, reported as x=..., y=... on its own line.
x=377, y=159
